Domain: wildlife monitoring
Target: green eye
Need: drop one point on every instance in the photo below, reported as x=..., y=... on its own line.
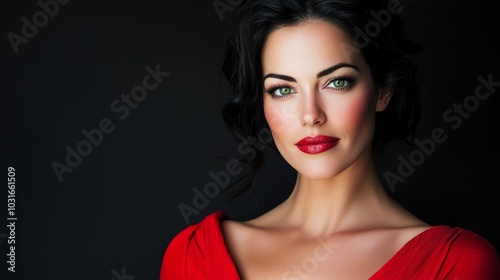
x=284, y=90
x=281, y=91
x=339, y=83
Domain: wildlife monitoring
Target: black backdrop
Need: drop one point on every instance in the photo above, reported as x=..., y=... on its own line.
x=69, y=75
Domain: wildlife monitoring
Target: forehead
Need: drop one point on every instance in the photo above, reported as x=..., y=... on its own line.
x=314, y=42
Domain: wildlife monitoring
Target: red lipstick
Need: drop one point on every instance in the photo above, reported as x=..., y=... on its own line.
x=316, y=144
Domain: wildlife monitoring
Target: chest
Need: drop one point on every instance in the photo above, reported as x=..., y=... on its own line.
x=282, y=256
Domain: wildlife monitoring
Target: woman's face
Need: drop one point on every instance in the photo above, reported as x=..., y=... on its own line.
x=319, y=98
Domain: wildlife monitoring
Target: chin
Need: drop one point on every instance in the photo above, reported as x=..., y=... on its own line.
x=318, y=170
x=318, y=175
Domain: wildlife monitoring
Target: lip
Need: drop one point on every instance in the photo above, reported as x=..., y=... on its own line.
x=317, y=144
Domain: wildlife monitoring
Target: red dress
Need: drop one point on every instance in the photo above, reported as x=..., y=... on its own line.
x=441, y=252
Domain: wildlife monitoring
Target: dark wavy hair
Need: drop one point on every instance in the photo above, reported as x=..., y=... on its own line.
x=376, y=28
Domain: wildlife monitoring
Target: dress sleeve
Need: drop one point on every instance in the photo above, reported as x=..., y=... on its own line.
x=199, y=252
x=472, y=257
x=175, y=258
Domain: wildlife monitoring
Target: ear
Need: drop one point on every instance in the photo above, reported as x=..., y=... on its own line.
x=384, y=95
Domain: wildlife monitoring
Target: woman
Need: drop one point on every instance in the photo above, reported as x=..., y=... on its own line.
x=333, y=82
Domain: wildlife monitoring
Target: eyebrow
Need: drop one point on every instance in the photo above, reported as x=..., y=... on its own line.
x=319, y=75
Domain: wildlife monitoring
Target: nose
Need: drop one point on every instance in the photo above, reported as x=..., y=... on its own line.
x=312, y=112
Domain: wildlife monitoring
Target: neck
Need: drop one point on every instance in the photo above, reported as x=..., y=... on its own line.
x=346, y=202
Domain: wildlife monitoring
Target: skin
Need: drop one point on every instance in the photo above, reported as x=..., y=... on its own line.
x=338, y=222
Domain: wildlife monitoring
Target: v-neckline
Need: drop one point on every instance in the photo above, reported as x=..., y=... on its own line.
x=220, y=215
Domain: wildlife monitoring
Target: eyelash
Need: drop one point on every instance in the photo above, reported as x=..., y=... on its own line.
x=350, y=82
x=275, y=87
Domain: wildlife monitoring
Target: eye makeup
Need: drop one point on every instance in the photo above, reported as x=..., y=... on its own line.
x=281, y=90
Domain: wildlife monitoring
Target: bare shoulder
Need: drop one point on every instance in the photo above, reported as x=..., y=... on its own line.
x=235, y=232
x=245, y=228
x=232, y=228
x=251, y=237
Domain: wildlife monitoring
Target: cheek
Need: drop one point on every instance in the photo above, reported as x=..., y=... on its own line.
x=278, y=117
x=356, y=112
